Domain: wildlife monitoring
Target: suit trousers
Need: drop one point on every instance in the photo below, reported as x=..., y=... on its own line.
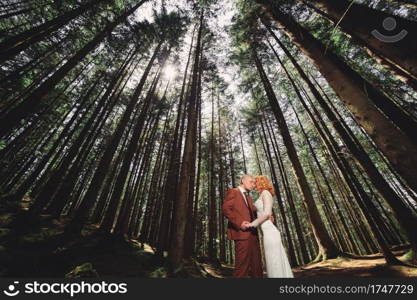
x=248, y=259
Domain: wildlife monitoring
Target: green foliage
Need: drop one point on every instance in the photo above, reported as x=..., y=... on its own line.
x=158, y=273
x=2, y=144
x=85, y=270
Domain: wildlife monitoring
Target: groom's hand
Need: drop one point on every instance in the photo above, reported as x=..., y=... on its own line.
x=245, y=225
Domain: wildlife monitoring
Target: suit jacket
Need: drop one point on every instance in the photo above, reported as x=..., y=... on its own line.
x=235, y=210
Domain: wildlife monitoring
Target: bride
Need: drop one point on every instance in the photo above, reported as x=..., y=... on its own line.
x=277, y=264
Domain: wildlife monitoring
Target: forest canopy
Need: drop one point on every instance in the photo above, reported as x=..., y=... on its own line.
x=131, y=119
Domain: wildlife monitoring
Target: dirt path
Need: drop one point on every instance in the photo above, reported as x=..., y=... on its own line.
x=340, y=267
x=346, y=267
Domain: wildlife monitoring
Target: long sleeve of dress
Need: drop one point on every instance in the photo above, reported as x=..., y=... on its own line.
x=267, y=205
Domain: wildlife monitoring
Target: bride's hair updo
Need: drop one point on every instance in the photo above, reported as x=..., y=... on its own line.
x=262, y=183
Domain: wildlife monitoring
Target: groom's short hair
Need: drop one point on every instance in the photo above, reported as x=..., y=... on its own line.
x=245, y=176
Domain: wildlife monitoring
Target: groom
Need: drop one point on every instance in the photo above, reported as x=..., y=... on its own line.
x=238, y=208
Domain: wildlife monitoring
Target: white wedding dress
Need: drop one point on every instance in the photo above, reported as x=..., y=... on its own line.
x=277, y=264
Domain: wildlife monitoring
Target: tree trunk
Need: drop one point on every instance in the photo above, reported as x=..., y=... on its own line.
x=327, y=248
x=396, y=145
x=32, y=102
x=15, y=44
x=363, y=24
x=176, y=249
x=402, y=212
x=95, y=185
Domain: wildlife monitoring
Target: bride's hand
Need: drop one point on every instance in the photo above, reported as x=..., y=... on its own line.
x=244, y=225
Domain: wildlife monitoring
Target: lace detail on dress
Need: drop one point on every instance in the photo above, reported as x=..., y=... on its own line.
x=277, y=264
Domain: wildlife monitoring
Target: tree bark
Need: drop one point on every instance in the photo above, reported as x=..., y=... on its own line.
x=359, y=21
x=400, y=149
x=176, y=249
x=327, y=248
x=32, y=102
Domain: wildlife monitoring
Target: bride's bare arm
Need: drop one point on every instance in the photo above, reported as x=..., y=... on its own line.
x=267, y=202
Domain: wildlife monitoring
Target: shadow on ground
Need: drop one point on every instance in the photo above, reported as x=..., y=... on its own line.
x=38, y=254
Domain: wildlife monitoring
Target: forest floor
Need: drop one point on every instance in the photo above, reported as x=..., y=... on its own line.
x=366, y=266
x=39, y=254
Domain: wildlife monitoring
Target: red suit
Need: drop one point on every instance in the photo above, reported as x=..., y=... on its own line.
x=248, y=260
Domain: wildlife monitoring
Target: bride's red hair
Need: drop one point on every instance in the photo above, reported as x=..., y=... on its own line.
x=262, y=183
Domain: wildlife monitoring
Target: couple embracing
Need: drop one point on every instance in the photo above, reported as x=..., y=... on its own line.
x=244, y=218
